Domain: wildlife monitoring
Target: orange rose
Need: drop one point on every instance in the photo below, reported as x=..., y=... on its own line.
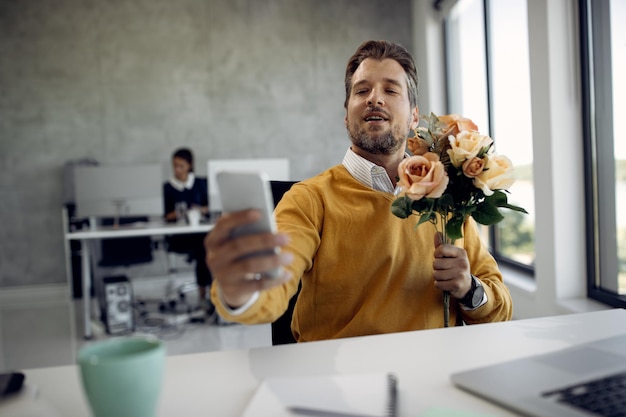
x=466, y=145
x=423, y=176
x=497, y=175
x=473, y=167
x=453, y=124
x=417, y=146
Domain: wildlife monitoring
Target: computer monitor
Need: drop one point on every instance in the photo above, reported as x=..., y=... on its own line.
x=276, y=168
x=118, y=191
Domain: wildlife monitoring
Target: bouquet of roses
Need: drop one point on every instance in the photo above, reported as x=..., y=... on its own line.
x=453, y=173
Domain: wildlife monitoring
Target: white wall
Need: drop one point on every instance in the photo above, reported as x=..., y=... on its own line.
x=130, y=81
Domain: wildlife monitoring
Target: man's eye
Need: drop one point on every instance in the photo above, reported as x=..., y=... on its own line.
x=360, y=92
x=389, y=91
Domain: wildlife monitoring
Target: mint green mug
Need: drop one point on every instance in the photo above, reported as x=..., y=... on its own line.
x=122, y=377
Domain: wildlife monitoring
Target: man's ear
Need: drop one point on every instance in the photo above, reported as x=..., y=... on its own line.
x=415, y=117
x=345, y=120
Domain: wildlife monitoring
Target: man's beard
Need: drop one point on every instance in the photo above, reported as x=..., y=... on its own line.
x=386, y=143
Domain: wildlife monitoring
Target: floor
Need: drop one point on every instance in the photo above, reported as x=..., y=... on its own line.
x=49, y=333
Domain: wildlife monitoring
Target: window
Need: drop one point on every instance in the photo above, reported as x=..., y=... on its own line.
x=603, y=58
x=489, y=82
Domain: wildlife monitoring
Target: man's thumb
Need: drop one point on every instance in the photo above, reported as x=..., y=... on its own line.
x=438, y=239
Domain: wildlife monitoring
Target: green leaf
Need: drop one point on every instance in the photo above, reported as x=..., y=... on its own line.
x=499, y=199
x=421, y=205
x=487, y=214
x=454, y=228
x=401, y=207
x=445, y=202
x=515, y=208
x=425, y=134
x=425, y=217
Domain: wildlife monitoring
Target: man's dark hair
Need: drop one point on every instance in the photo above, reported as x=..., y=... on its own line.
x=381, y=50
x=186, y=154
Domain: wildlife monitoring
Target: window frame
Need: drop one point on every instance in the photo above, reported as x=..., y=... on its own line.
x=600, y=207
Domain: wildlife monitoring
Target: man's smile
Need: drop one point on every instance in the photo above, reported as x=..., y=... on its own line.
x=376, y=117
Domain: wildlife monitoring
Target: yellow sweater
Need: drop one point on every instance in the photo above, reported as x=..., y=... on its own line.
x=363, y=270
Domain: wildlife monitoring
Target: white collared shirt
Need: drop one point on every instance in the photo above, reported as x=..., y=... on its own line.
x=367, y=172
x=180, y=185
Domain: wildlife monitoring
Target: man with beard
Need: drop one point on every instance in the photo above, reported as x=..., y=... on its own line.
x=362, y=270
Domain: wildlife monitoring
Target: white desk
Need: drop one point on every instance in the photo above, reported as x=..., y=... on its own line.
x=221, y=383
x=131, y=230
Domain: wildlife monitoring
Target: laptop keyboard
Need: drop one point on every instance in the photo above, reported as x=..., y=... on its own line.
x=605, y=397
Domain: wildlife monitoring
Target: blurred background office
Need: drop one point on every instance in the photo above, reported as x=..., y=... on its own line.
x=126, y=82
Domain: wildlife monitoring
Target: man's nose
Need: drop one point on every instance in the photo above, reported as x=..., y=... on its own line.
x=375, y=98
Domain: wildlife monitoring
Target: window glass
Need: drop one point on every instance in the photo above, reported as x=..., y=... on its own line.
x=467, y=68
x=490, y=84
x=512, y=123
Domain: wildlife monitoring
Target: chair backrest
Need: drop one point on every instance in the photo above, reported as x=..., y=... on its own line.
x=125, y=251
x=281, y=328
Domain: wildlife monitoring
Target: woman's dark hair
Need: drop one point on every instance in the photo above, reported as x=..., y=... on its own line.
x=381, y=50
x=186, y=154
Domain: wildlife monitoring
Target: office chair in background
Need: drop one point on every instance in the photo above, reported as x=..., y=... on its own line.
x=125, y=251
x=281, y=328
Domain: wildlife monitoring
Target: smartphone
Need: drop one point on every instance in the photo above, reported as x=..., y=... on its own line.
x=249, y=190
x=10, y=383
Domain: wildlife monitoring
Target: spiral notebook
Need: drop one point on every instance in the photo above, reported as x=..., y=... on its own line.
x=354, y=395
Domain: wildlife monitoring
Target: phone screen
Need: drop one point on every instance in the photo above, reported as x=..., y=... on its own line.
x=249, y=190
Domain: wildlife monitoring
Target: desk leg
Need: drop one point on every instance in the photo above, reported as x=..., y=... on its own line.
x=86, y=275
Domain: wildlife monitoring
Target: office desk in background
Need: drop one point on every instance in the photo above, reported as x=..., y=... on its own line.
x=222, y=383
x=158, y=228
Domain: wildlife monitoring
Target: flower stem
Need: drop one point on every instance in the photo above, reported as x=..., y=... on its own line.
x=446, y=294
x=446, y=309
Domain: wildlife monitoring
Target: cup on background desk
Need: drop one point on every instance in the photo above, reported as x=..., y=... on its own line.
x=122, y=377
x=193, y=215
x=181, y=212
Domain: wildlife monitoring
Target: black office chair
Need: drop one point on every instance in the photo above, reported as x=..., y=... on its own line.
x=125, y=251
x=281, y=328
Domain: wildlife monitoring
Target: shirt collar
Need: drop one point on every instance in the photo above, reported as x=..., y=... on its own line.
x=367, y=173
x=180, y=185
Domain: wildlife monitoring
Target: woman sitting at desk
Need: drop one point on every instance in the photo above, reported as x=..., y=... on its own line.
x=182, y=192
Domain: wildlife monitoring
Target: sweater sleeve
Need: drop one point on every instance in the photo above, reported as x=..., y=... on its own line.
x=499, y=306
x=294, y=216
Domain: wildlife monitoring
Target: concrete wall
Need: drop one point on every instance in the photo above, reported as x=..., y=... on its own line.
x=127, y=82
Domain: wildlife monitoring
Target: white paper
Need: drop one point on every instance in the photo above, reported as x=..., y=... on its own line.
x=362, y=395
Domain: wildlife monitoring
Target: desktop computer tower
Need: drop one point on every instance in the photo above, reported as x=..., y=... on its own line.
x=116, y=305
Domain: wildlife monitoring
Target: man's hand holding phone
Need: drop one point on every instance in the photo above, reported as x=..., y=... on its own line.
x=244, y=252
x=232, y=266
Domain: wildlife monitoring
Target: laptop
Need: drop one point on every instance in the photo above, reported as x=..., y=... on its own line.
x=581, y=381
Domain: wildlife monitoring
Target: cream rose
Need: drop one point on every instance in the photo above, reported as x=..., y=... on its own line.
x=473, y=167
x=497, y=175
x=466, y=145
x=417, y=146
x=453, y=124
x=423, y=176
